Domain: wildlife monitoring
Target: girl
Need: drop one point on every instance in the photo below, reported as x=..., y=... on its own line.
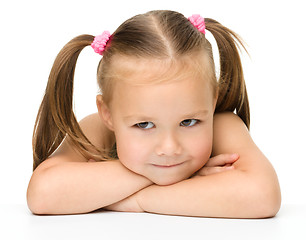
x=162, y=139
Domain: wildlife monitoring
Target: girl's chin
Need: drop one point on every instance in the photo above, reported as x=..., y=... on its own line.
x=166, y=181
x=162, y=179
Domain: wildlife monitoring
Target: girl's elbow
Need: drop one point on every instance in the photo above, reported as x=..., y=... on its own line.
x=38, y=195
x=274, y=202
x=35, y=205
x=35, y=200
x=268, y=200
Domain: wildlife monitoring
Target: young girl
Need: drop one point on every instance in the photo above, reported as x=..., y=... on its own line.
x=165, y=138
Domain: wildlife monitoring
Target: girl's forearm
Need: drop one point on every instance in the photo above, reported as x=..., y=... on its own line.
x=231, y=194
x=80, y=187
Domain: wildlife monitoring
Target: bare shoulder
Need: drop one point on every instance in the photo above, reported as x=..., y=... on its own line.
x=95, y=131
x=232, y=136
x=228, y=125
x=228, y=118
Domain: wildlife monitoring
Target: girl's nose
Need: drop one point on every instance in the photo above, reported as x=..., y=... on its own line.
x=168, y=145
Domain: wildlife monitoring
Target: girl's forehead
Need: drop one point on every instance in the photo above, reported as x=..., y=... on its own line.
x=143, y=71
x=168, y=97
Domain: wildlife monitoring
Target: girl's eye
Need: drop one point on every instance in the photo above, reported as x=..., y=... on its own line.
x=189, y=122
x=145, y=125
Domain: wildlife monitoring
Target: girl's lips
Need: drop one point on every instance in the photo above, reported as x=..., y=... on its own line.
x=167, y=165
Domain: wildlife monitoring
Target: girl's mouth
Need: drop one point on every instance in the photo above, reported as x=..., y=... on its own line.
x=167, y=165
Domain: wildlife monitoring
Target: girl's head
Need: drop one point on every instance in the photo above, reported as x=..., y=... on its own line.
x=164, y=41
x=158, y=94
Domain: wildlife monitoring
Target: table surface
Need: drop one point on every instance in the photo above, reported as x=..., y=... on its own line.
x=17, y=222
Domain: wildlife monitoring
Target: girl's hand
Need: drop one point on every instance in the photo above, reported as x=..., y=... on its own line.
x=129, y=204
x=217, y=164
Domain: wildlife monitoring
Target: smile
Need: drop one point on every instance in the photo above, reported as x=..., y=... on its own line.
x=167, y=165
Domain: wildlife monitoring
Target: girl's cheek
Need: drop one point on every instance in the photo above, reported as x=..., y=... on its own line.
x=131, y=153
x=202, y=150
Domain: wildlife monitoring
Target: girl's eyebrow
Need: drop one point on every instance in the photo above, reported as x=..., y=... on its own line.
x=146, y=118
x=139, y=117
x=196, y=113
x=200, y=112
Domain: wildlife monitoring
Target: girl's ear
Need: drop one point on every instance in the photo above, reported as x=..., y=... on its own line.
x=104, y=112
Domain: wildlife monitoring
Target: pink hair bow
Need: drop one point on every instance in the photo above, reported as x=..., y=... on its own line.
x=100, y=42
x=198, y=22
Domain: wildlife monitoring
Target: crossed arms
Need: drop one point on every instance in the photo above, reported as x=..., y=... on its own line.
x=247, y=189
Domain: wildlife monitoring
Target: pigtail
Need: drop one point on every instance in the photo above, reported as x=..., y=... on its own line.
x=232, y=93
x=55, y=118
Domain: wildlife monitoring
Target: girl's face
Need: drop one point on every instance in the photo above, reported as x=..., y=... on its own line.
x=164, y=130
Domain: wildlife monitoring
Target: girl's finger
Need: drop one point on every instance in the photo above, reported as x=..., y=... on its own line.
x=222, y=159
x=213, y=170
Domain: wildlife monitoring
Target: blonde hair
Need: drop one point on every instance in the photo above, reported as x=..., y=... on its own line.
x=160, y=35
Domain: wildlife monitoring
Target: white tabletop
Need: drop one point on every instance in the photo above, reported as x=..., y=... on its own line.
x=17, y=222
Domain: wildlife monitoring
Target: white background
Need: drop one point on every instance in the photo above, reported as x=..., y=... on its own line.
x=33, y=32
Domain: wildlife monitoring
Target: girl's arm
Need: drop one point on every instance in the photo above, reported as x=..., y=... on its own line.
x=251, y=190
x=67, y=183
